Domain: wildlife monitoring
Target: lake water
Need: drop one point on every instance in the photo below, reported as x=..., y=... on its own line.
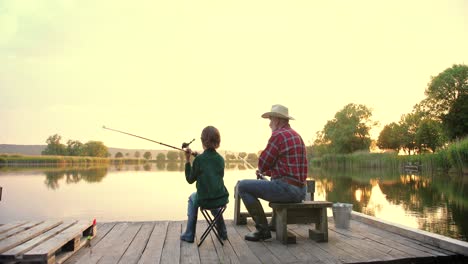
x=438, y=204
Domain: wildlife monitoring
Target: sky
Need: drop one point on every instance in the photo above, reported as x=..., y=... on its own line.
x=166, y=69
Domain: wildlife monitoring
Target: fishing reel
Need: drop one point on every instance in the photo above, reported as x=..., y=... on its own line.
x=186, y=145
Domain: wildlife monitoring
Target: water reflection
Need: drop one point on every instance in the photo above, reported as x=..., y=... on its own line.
x=435, y=203
x=73, y=176
x=158, y=191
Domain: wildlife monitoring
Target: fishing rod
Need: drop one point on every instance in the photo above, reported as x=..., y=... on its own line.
x=260, y=176
x=184, y=145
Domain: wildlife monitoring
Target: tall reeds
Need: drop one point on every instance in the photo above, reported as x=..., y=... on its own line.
x=452, y=158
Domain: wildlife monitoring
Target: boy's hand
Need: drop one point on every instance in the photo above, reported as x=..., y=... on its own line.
x=188, y=152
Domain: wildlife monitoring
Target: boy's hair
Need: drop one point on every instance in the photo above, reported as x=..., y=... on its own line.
x=210, y=137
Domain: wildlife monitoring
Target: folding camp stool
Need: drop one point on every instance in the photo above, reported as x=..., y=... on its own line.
x=212, y=222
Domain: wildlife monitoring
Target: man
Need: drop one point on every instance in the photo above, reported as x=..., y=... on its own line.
x=284, y=160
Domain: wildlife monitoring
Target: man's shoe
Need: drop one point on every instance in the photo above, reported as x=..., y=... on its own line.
x=258, y=235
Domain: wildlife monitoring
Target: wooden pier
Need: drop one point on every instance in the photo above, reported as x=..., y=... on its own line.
x=368, y=240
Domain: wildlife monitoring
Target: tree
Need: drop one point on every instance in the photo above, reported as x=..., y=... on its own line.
x=147, y=155
x=456, y=120
x=118, y=155
x=242, y=155
x=446, y=88
x=137, y=154
x=172, y=155
x=409, y=124
x=390, y=137
x=74, y=148
x=161, y=157
x=348, y=131
x=95, y=149
x=429, y=135
x=54, y=147
x=252, y=157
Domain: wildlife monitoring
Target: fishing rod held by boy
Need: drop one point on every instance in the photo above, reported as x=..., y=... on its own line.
x=184, y=145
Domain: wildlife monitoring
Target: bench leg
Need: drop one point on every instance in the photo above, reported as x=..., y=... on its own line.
x=281, y=225
x=320, y=234
x=238, y=218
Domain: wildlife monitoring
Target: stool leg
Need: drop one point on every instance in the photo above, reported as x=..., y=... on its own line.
x=211, y=225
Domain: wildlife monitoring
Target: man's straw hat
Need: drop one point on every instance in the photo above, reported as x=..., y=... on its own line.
x=279, y=111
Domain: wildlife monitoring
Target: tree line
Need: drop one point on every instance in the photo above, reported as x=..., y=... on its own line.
x=74, y=148
x=435, y=121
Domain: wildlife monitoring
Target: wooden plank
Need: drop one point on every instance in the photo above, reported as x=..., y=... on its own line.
x=400, y=242
x=207, y=250
x=310, y=246
x=8, y=226
x=383, y=243
x=18, y=251
x=51, y=246
x=226, y=253
x=115, y=252
x=239, y=245
x=105, y=245
x=26, y=235
x=261, y=249
x=104, y=229
x=18, y=229
x=154, y=247
x=188, y=251
x=453, y=245
x=135, y=250
x=171, y=250
x=373, y=243
x=370, y=253
x=332, y=247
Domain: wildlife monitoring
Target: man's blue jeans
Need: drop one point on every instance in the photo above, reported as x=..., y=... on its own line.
x=276, y=191
x=273, y=191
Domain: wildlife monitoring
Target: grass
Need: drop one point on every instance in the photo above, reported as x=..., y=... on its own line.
x=453, y=158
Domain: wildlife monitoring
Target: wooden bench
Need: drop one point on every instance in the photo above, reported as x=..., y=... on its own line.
x=307, y=212
x=301, y=213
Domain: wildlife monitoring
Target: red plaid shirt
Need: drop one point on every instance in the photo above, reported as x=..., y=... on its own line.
x=284, y=155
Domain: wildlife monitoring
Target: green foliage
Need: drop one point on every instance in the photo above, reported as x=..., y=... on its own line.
x=429, y=135
x=390, y=137
x=348, y=131
x=252, y=157
x=409, y=125
x=452, y=158
x=54, y=160
x=172, y=155
x=161, y=157
x=54, y=147
x=147, y=155
x=137, y=154
x=118, y=155
x=74, y=148
x=242, y=155
x=456, y=120
x=446, y=88
x=94, y=149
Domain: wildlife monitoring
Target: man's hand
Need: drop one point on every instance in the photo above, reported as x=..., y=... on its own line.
x=260, y=176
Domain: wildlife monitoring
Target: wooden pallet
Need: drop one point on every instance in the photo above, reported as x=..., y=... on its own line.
x=43, y=241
